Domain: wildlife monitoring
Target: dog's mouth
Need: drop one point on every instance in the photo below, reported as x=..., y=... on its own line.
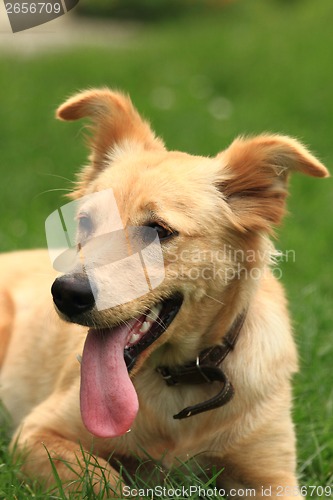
x=149, y=327
x=109, y=402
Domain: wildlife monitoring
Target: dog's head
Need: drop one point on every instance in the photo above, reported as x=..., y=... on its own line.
x=211, y=216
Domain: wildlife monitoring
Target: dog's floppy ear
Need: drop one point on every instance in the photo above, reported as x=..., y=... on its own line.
x=257, y=170
x=114, y=120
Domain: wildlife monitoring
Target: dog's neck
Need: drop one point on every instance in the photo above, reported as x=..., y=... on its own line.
x=206, y=369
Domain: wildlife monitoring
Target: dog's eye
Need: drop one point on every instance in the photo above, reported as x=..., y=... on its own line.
x=163, y=232
x=85, y=223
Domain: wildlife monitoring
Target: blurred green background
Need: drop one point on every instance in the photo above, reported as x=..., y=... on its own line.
x=202, y=72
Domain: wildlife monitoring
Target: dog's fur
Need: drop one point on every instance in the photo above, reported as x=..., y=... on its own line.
x=231, y=201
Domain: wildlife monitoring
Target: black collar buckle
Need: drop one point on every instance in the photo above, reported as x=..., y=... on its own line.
x=167, y=376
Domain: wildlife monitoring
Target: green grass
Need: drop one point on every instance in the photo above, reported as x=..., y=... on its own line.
x=250, y=67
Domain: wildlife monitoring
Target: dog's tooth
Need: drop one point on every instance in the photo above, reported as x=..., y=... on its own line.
x=79, y=358
x=154, y=312
x=135, y=337
x=145, y=327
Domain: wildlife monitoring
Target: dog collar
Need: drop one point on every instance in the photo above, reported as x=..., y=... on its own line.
x=205, y=369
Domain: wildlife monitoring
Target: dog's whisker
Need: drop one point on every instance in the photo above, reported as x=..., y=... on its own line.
x=52, y=191
x=58, y=177
x=216, y=300
x=161, y=323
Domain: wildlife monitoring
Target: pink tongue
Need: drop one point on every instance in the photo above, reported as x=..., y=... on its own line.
x=109, y=403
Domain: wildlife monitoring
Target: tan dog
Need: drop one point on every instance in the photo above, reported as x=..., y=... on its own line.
x=219, y=306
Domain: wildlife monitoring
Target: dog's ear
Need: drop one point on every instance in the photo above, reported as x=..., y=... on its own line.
x=257, y=171
x=114, y=120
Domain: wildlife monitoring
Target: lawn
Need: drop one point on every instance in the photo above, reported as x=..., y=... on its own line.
x=201, y=79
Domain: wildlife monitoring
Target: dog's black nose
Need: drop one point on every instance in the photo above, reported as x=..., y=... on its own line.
x=72, y=294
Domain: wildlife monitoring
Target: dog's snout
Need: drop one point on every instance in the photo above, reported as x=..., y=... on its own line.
x=72, y=294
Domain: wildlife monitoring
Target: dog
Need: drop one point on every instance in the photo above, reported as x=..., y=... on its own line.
x=199, y=366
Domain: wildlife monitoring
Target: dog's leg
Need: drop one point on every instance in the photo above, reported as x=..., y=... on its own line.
x=44, y=447
x=43, y=452
x=266, y=463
